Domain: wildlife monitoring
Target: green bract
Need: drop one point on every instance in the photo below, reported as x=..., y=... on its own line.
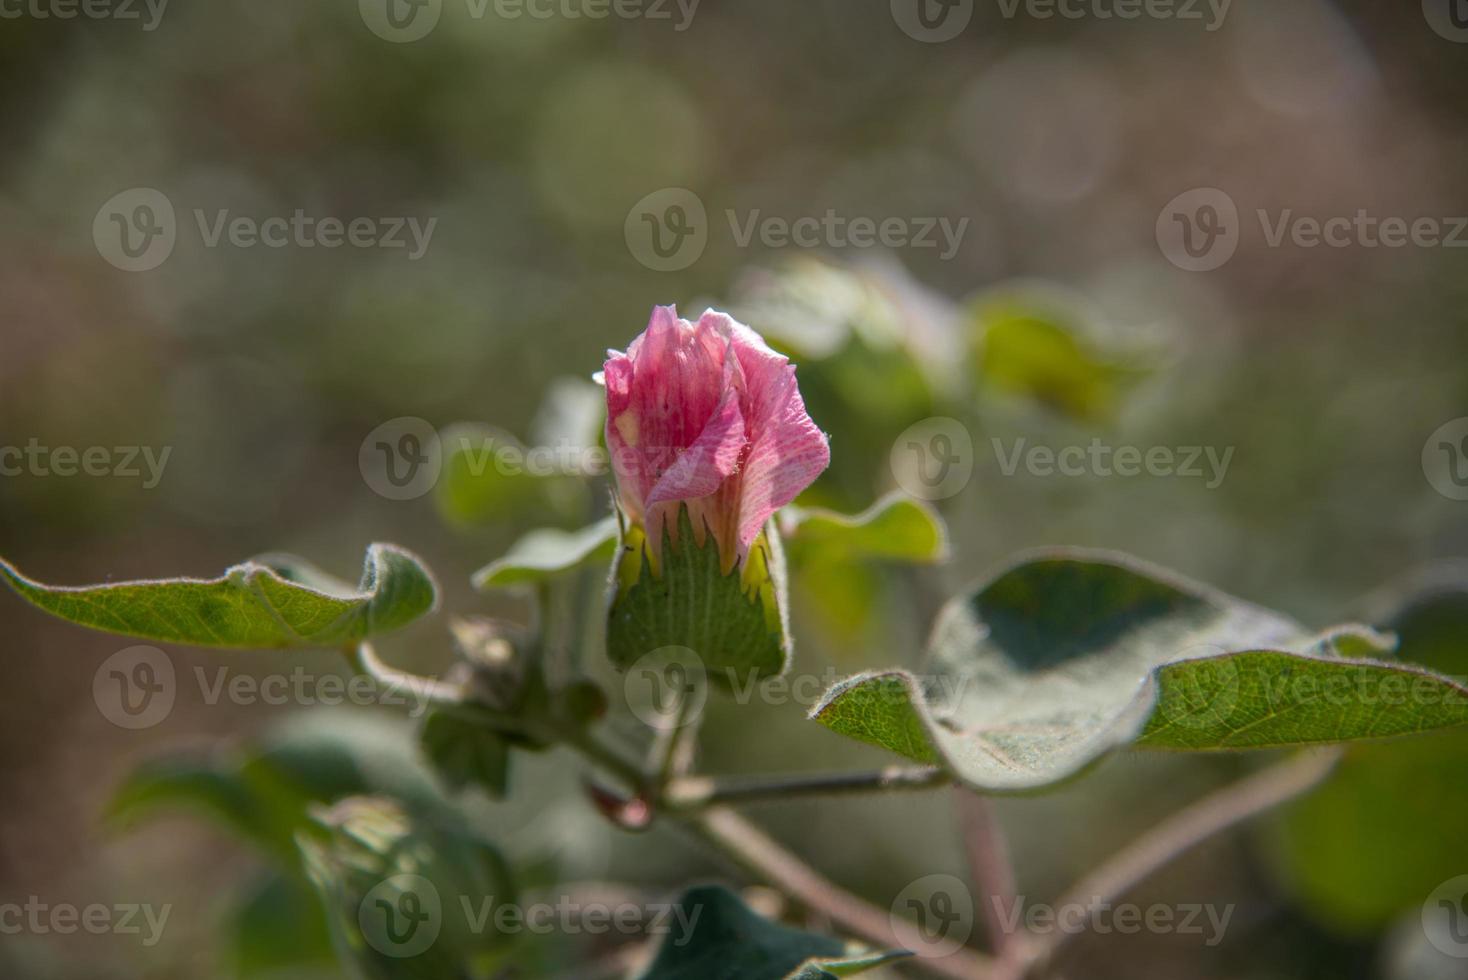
x=733, y=622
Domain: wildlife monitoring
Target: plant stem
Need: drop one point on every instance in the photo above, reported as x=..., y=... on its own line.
x=691, y=793
x=765, y=859
x=993, y=874
x=364, y=660
x=1183, y=830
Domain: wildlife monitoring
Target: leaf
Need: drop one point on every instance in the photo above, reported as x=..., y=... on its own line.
x=730, y=942
x=277, y=930
x=488, y=476
x=1065, y=657
x=734, y=623
x=895, y=528
x=272, y=603
x=466, y=754
x=263, y=790
x=546, y=552
x=1038, y=343
x=1386, y=828
x=408, y=896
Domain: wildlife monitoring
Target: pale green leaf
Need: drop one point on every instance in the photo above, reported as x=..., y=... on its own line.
x=270, y=603
x=895, y=528
x=1065, y=657
x=546, y=552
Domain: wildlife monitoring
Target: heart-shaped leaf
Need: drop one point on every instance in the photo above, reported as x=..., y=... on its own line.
x=1065, y=657
x=895, y=528
x=546, y=552
x=268, y=603
x=466, y=754
x=730, y=942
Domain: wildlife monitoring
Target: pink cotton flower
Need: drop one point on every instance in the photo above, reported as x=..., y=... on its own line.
x=706, y=414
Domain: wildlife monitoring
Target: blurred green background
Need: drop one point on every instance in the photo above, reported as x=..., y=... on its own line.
x=530, y=142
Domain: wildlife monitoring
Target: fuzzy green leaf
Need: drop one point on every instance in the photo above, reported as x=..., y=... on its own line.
x=546, y=552
x=275, y=602
x=895, y=528
x=1066, y=657
x=730, y=942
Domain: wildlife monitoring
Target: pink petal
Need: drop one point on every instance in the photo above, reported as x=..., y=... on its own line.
x=712, y=458
x=787, y=449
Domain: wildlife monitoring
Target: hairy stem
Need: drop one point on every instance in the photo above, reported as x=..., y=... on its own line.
x=993, y=874
x=364, y=660
x=1180, y=832
x=765, y=859
x=699, y=792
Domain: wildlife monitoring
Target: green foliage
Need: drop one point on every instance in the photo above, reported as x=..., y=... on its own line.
x=277, y=928
x=731, y=942
x=466, y=754
x=547, y=552
x=1385, y=830
x=273, y=602
x=408, y=896
x=895, y=528
x=489, y=476
x=734, y=621
x=1063, y=658
x=1038, y=344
